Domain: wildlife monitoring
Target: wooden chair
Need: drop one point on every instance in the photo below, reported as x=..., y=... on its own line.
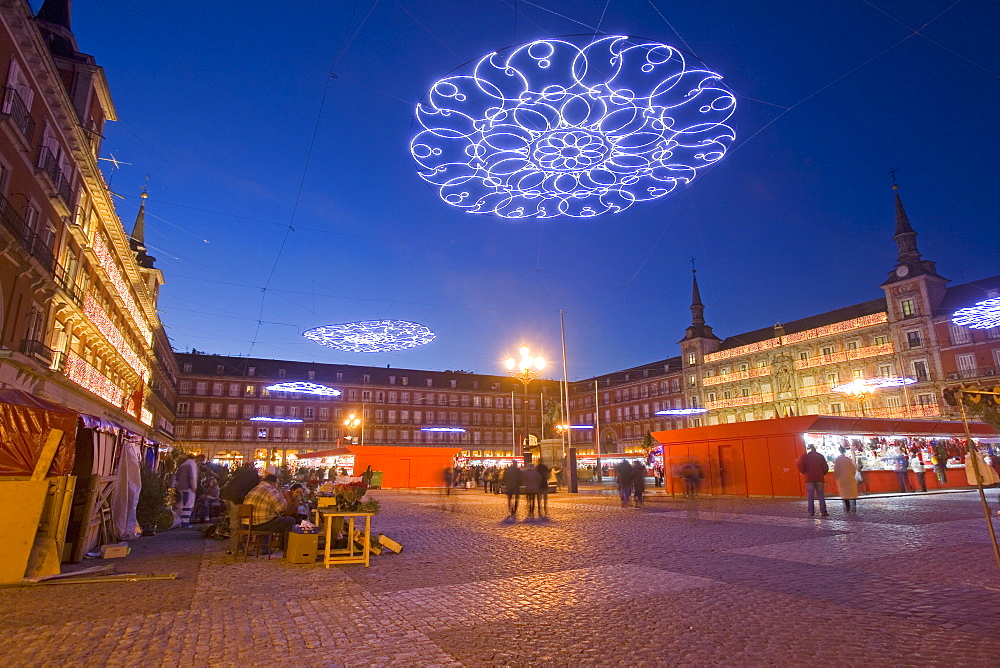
x=247, y=536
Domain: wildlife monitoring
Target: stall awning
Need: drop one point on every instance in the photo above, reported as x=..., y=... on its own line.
x=100, y=424
x=25, y=422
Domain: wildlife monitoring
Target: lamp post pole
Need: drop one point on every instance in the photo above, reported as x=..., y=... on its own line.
x=525, y=371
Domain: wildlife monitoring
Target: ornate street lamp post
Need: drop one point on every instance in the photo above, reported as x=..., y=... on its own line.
x=352, y=423
x=525, y=371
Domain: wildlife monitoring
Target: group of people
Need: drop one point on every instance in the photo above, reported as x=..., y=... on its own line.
x=533, y=481
x=631, y=480
x=198, y=491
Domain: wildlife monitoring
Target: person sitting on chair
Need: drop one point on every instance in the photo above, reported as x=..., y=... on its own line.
x=268, y=505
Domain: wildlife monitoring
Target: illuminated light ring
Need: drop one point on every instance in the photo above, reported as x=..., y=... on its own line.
x=571, y=127
x=454, y=429
x=271, y=419
x=305, y=388
x=371, y=336
x=682, y=411
x=984, y=315
x=860, y=385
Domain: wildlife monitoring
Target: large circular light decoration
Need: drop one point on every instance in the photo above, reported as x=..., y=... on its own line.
x=371, y=336
x=984, y=315
x=572, y=126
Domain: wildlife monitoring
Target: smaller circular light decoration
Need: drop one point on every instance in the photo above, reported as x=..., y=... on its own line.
x=866, y=385
x=271, y=419
x=984, y=315
x=454, y=429
x=371, y=336
x=682, y=411
x=305, y=388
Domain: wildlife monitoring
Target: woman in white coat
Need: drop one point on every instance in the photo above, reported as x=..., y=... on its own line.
x=845, y=472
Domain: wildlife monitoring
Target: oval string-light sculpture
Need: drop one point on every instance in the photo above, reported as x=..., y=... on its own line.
x=371, y=336
x=572, y=126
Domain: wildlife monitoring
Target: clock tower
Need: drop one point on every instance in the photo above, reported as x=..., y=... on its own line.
x=913, y=292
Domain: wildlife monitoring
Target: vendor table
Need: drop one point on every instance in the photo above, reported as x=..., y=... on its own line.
x=350, y=554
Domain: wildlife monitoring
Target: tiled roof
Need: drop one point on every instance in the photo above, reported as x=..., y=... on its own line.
x=967, y=294
x=811, y=322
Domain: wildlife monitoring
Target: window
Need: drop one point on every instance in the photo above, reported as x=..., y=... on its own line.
x=885, y=371
x=232, y=410
x=913, y=338
x=857, y=374
x=996, y=357
x=803, y=356
x=217, y=389
x=836, y=409
x=234, y=389
x=322, y=434
x=827, y=351
x=454, y=384
x=247, y=411
x=264, y=410
x=293, y=411
x=281, y=373
x=832, y=379
x=187, y=367
x=959, y=335
x=247, y=433
x=213, y=431
x=366, y=396
x=182, y=409
x=920, y=370
x=199, y=410
x=279, y=411
x=201, y=388
x=251, y=371
x=311, y=374
x=892, y=402
x=925, y=399
x=880, y=340
x=852, y=345
x=309, y=413
x=692, y=381
x=430, y=382
x=230, y=433
x=691, y=359
x=250, y=390
x=966, y=366
x=906, y=308
x=324, y=413
x=184, y=387
x=279, y=432
x=196, y=431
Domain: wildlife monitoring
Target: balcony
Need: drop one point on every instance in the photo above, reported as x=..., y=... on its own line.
x=67, y=286
x=846, y=356
x=14, y=107
x=734, y=376
x=38, y=350
x=974, y=372
x=62, y=191
x=29, y=240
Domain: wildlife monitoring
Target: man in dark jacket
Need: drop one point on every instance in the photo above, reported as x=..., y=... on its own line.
x=242, y=481
x=512, y=487
x=814, y=467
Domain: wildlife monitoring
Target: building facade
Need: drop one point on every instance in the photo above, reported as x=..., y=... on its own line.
x=218, y=399
x=794, y=368
x=78, y=320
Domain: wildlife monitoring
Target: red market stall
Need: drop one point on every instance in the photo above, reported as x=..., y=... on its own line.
x=402, y=467
x=760, y=458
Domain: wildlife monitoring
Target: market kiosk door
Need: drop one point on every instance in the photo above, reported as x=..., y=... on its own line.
x=731, y=474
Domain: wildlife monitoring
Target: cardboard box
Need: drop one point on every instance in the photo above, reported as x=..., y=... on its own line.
x=114, y=551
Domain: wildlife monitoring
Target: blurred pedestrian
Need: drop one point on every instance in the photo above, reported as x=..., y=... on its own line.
x=512, y=487
x=917, y=466
x=845, y=473
x=638, y=482
x=531, y=482
x=814, y=467
x=691, y=474
x=901, y=465
x=543, y=489
x=448, y=478
x=186, y=485
x=623, y=476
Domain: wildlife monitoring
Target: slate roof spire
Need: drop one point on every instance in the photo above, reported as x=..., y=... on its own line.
x=137, y=240
x=905, y=237
x=698, y=328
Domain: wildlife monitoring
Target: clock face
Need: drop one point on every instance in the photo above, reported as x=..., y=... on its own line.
x=902, y=270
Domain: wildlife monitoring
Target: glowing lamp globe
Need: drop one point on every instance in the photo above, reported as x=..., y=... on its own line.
x=572, y=127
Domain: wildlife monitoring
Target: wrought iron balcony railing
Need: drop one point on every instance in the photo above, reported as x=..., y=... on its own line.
x=15, y=107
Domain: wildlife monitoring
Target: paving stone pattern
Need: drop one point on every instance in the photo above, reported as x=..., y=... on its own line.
x=909, y=580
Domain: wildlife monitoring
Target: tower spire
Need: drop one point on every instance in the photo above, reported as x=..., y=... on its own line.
x=905, y=237
x=137, y=240
x=698, y=328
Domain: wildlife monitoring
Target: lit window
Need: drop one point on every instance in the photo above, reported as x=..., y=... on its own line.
x=906, y=308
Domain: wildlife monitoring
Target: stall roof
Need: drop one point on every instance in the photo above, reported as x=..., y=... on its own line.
x=821, y=424
x=336, y=452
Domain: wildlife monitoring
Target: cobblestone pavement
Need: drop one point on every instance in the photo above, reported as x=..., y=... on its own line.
x=909, y=580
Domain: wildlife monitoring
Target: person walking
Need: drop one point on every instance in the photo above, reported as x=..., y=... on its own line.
x=814, y=467
x=531, y=483
x=919, y=471
x=543, y=489
x=845, y=473
x=901, y=465
x=638, y=482
x=623, y=476
x=512, y=487
x=187, y=487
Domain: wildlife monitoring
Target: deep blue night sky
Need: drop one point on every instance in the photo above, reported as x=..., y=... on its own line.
x=218, y=103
